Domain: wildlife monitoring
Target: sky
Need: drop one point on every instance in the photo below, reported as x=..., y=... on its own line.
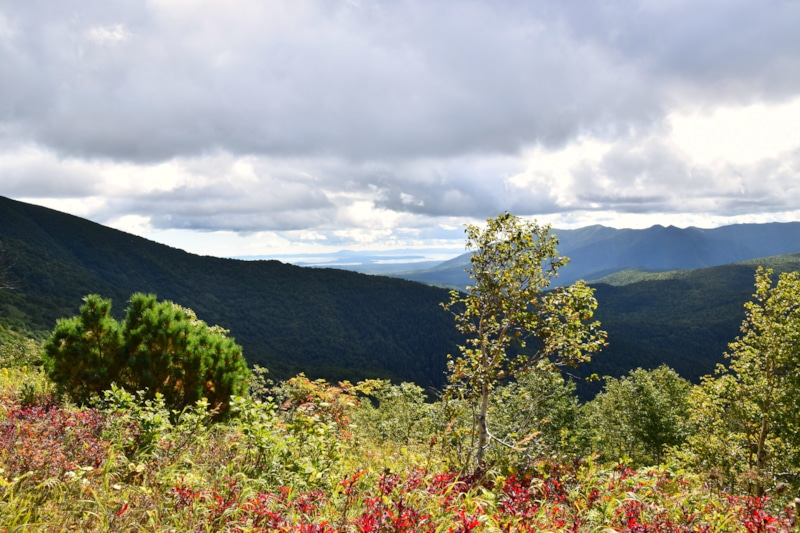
x=266, y=127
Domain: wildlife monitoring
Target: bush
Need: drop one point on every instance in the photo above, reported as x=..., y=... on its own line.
x=536, y=416
x=400, y=415
x=160, y=347
x=641, y=416
x=18, y=349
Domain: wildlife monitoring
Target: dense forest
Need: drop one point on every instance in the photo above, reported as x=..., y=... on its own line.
x=325, y=322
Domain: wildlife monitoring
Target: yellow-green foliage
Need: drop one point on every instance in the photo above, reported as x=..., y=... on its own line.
x=131, y=464
x=746, y=422
x=308, y=456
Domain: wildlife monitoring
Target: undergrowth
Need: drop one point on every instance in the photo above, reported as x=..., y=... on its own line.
x=306, y=460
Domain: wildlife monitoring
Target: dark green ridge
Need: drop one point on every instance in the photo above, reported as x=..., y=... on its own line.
x=325, y=322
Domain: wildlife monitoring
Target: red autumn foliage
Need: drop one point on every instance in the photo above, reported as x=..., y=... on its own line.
x=48, y=441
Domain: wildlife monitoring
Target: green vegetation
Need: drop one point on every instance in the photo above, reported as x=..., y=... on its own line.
x=746, y=420
x=160, y=348
x=651, y=452
x=323, y=458
x=684, y=320
x=5, y=267
x=506, y=306
x=324, y=322
x=638, y=418
x=340, y=325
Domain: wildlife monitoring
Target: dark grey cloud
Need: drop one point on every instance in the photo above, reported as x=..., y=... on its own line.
x=149, y=81
x=232, y=203
x=737, y=49
x=651, y=176
x=418, y=110
x=32, y=179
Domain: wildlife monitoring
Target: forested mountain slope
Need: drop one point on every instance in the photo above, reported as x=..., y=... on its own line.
x=338, y=324
x=683, y=318
x=325, y=322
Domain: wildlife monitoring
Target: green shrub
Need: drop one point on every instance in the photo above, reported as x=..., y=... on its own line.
x=18, y=349
x=641, y=416
x=400, y=415
x=160, y=348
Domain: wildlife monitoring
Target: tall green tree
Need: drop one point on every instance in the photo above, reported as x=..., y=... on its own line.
x=160, y=347
x=510, y=320
x=746, y=418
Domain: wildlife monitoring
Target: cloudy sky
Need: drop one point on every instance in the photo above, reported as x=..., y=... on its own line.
x=265, y=127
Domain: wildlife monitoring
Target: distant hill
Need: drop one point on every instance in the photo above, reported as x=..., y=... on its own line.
x=343, y=325
x=325, y=322
x=598, y=251
x=365, y=262
x=682, y=318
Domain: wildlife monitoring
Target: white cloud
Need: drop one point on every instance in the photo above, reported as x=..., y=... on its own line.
x=737, y=135
x=106, y=35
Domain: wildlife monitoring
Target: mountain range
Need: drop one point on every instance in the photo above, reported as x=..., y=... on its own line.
x=598, y=251
x=338, y=324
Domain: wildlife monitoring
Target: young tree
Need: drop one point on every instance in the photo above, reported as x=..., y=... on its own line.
x=161, y=347
x=513, y=264
x=746, y=420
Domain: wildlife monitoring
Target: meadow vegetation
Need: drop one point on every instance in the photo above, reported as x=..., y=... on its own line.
x=314, y=457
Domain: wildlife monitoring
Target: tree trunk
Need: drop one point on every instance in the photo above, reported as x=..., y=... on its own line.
x=761, y=455
x=483, y=429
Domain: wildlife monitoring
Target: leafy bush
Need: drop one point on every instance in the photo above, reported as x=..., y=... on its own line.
x=640, y=416
x=400, y=415
x=18, y=349
x=536, y=416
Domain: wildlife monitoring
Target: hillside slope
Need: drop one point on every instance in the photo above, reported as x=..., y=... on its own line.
x=325, y=322
x=343, y=325
x=682, y=318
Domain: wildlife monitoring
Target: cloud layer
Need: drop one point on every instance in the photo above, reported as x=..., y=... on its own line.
x=355, y=120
